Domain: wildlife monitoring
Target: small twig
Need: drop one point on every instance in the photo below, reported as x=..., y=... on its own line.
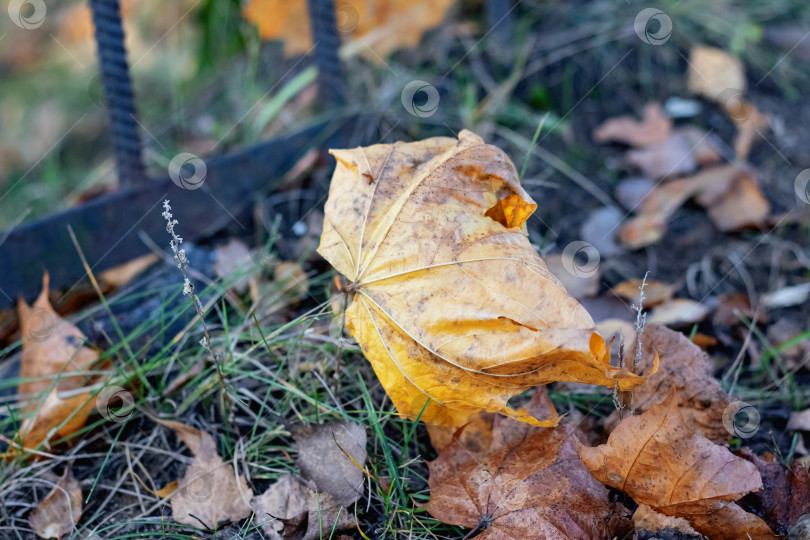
x=641, y=319
x=620, y=402
x=188, y=289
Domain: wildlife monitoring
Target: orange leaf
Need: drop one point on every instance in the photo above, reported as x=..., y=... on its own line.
x=662, y=462
x=729, y=193
x=654, y=127
x=731, y=522
x=53, y=347
x=380, y=27
x=686, y=368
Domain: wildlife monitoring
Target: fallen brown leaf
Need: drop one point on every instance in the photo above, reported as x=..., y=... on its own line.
x=799, y=421
x=121, y=275
x=750, y=124
x=678, y=311
x=731, y=307
x=58, y=513
x=730, y=194
x=685, y=367
x=534, y=486
x=209, y=491
x=455, y=310
x=704, y=341
x=476, y=433
x=655, y=292
x=786, y=492
x=713, y=71
x=51, y=347
x=741, y=204
x=234, y=258
x=680, y=153
x=323, y=461
x=382, y=26
x=654, y=127
x=645, y=518
x=660, y=461
x=731, y=521
x=650, y=223
x=289, y=510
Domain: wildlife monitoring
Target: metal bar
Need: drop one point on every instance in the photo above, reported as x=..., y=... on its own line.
x=331, y=83
x=118, y=94
x=107, y=228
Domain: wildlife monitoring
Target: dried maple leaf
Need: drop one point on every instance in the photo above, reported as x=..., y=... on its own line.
x=685, y=367
x=454, y=309
x=534, y=486
x=59, y=512
x=660, y=461
x=209, y=492
x=51, y=347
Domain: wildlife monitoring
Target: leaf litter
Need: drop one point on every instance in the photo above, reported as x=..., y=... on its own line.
x=499, y=471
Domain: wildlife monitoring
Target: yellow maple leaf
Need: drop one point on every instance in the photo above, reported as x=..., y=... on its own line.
x=452, y=305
